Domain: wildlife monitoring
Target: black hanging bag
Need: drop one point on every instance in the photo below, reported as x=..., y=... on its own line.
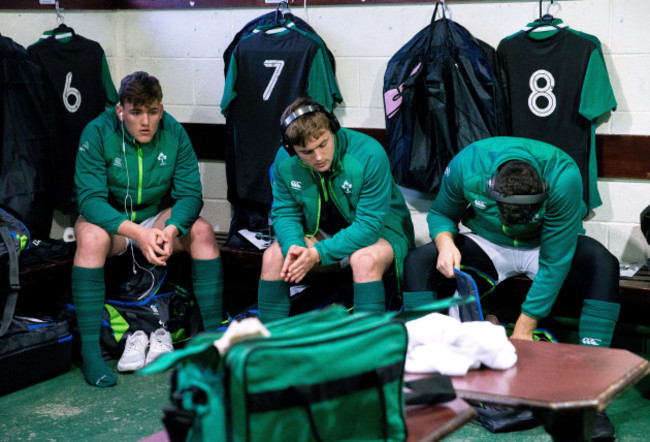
x=442, y=91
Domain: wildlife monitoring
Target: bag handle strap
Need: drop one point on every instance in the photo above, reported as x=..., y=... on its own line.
x=302, y=397
x=376, y=377
x=436, y=306
x=14, y=280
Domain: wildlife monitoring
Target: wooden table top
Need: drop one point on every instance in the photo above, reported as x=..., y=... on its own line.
x=556, y=377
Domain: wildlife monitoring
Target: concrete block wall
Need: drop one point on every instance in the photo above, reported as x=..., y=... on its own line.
x=184, y=49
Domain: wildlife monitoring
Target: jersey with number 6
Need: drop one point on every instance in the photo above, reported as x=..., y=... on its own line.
x=268, y=70
x=81, y=88
x=558, y=86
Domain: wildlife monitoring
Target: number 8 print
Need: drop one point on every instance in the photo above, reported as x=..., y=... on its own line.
x=543, y=91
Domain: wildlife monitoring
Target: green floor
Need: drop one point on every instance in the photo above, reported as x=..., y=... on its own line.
x=67, y=409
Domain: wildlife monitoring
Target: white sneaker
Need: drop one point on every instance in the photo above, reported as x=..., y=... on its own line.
x=160, y=342
x=133, y=357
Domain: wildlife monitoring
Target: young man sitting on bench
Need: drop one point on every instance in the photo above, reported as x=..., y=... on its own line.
x=333, y=198
x=138, y=182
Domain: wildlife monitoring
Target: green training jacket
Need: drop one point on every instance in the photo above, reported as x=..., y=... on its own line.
x=160, y=174
x=362, y=189
x=555, y=228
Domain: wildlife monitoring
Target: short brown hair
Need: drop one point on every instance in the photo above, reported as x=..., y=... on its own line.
x=140, y=88
x=308, y=126
x=518, y=177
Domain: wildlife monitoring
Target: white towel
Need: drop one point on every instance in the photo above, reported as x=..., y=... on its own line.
x=238, y=331
x=440, y=343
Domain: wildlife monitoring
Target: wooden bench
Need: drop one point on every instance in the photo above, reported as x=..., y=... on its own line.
x=634, y=290
x=637, y=287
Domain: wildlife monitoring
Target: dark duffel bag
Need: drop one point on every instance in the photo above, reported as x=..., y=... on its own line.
x=33, y=350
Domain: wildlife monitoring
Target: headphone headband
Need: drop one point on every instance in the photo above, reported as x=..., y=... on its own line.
x=299, y=113
x=517, y=199
x=334, y=125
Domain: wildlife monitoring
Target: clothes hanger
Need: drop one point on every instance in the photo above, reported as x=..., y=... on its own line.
x=281, y=11
x=445, y=12
x=62, y=30
x=546, y=20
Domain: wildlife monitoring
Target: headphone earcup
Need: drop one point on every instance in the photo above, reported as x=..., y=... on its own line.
x=490, y=186
x=334, y=123
x=288, y=146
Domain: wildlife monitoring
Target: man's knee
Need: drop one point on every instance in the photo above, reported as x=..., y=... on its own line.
x=201, y=239
x=93, y=245
x=202, y=231
x=367, y=266
x=272, y=261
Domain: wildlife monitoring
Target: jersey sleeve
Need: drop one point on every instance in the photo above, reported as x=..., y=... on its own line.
x=597, y=95
x=229, y=92
x=112, y=98
x=317, y=83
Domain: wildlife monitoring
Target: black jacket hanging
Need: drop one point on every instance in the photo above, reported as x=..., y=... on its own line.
x=25, y=184
x=442, y=91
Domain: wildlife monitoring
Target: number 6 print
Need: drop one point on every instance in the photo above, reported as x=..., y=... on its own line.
x=71, y=92
x=545, y=90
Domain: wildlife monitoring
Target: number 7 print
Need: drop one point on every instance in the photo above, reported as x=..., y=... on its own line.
x=277, y=65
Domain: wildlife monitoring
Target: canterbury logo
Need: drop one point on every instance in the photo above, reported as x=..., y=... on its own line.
x=296, y=185
x=117, y=162
x=591, y=341
x=480, y=204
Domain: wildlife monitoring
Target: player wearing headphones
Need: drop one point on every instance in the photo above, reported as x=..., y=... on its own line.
x=333, y=198
x=138, y=181
x=521, y=199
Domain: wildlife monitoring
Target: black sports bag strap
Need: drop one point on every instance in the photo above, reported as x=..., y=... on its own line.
x=14, y=280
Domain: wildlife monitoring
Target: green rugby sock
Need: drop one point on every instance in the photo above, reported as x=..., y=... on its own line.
x=597, y=322
x=273, y=300
x=413, y=300
x=369, y=297
x=207, y=280
x=88, y=295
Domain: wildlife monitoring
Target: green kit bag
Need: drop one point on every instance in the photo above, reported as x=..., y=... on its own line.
x=322, y=375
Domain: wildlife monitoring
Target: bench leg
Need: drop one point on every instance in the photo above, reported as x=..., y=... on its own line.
x=568, y=425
